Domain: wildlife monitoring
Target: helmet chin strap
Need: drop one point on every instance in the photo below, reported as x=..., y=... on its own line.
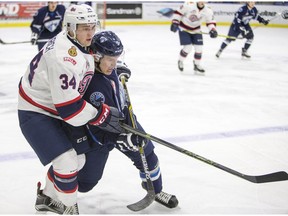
x=74, y=37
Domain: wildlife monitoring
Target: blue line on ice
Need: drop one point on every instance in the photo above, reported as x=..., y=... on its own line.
x=192, y=138
x=229, y=134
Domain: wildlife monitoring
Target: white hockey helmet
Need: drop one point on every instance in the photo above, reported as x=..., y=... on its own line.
x=78, y=14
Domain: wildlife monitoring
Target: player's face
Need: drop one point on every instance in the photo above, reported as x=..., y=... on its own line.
x=84, y=33
x=107, y=64
x=251, y=4
x=52, y=6
x=201, y=4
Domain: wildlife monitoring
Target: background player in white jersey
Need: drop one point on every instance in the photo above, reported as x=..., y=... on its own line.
x=50, y=94
x=187, y=19
x=240, y=25
x=47, y=23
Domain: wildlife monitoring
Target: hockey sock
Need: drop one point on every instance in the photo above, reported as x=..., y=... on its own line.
x=155, y=172
x=64, y=177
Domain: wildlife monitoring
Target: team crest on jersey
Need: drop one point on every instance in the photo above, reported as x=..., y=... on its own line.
x=50, y=44
x=72, y=51
x=97, y=98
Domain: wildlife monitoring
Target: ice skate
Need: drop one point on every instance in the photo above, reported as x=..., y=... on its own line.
x=71, y=210
x=219, y=53
x=46, y=204
x=245, y=54
x=180, y=65
x=168, y=200
x=198, y=70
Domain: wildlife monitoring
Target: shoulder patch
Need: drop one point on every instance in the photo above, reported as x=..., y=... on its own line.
x=69, y=59
x=96, y=98
x=72, y=51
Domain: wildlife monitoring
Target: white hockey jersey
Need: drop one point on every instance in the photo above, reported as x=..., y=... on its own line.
x=55, y=81
x=189, y=17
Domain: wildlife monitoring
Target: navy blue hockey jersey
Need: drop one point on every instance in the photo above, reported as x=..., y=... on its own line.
x=48, y=24
x=105, y=89
x=243, y=16
x=108, y=89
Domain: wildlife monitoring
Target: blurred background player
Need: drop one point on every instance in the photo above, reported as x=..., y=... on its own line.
x=187, y=20
x=106, y=87
x=240, y=25
x=47, y=23
x=50, y=95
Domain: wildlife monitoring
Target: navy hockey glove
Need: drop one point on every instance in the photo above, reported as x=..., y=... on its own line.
x=108, y=119
x=174, y=26
x=129, y=142
x=123, y=71
x=213, y=33
x=265, y=22
x=34, y=38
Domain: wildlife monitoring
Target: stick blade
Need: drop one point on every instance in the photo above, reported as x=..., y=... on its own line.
x=143, y=203
x=272, y=177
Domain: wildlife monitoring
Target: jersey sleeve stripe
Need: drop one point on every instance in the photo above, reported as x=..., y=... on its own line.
x=69, y=111
x=68, y=102
x=29, y=100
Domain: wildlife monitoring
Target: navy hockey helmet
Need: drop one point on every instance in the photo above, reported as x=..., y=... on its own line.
x=106, y=43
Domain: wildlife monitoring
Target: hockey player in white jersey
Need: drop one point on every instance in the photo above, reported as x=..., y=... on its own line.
x=187, y=20
x=50, y=93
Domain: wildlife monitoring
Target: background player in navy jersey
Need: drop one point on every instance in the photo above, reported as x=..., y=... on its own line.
x=47, y=23
x=105, y=87
x=240, y=25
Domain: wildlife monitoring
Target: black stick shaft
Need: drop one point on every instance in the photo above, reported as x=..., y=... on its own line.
x=271, y=177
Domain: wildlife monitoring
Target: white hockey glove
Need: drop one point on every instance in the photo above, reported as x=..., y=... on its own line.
x=108, y=119
x=129, y=142
x=123, y=71
x=34, y=38
x=244, y=32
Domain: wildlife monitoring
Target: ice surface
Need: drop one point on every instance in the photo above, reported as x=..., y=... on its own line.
x=237, y=115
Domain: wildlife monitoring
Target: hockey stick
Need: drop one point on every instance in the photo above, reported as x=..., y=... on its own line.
x=21, y=42
x=207, y=33
x=282, y=14
x=18, y=42
x=150, y=196
x=271, y=177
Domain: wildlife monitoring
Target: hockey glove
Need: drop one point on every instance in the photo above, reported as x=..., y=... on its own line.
x=108, y=119
x=34, y=38
x=213, y=33
x=174, y=26
x=129, y=142
x=123, y=71
x=244, y=32
x=265, y=22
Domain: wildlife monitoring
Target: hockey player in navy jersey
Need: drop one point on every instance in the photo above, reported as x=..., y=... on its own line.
x=105, y=87
x=241, y=25
x=50, y=96
x=47, y=23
